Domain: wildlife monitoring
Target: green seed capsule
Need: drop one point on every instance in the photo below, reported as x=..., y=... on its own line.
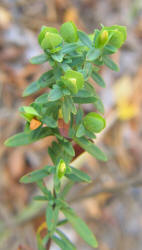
x=51, y=40
x=43, y=31
x=61, y=169
x=94, y=122
x=69, y=32
x=73, y=80
x=116, y=39
x=117, y=35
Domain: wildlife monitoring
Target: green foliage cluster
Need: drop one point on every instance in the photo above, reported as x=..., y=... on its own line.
x=74, y=57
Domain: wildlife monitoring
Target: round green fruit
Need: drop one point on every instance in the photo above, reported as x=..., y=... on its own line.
x=94, y=122
x=43, y=31
x=69, y=32
x=73, y=80
x=51, y=41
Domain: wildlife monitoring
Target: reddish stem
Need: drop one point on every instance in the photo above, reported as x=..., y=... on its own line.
x=48, y=244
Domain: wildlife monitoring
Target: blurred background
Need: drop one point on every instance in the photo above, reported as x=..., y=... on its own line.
x=112, y=204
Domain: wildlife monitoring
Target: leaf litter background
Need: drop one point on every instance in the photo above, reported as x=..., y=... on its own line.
x=112, y=207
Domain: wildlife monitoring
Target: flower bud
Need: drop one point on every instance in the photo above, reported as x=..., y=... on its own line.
x=60, y=114
x=94, y=122
x=73, y=80
x=104, y=37
x=69, y=32
x=61, y=169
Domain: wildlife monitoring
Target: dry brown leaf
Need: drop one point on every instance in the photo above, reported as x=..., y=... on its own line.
x=34, y=124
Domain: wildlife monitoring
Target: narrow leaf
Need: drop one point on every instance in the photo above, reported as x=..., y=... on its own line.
x=110, y=64
x=51, y=217
x=44, y=81
x=50, y=122
x=93, y=54
x=55, y=94
x=65, y=239
x=83, y=100
x=60, y=242
x=26, y=138
x=81, y=174
x=98, y=79
x=36, y=175
x=67, y=48
x=32, y=88
x=91, y=148
x=85, y=39
x=80, y=227
x=39, y=59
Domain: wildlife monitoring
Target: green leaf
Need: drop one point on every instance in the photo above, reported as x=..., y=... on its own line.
x=65, y=239
x=74, y=178
x=26, y=138
x=58, y=57
x=80, y=131
x=42, y=99
x=44, y=81
x=77, y=61
x=60, y=242
x=39, y=59
x=44, y=190
x=110, y=64
x=51, y=217
x=85, y=95
x=66, y=189
x=83, y=176
x=36, y=175
x=80, y=227
x=39, y=242
x=68, y=147
x=99, y=105
x=57, y=152
x=83, y=100
x=79, y=116
x=87, y=70
x=91, y=148
x=49, y=121
x=29, y=110
x=65, y=66
x=98, y=79
x=109, y=49
x=93, y=54
x=68, y=107
x=32, y=88
x=67, y=48
x=85, y=39
x=55, y=94
x=40, y=198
